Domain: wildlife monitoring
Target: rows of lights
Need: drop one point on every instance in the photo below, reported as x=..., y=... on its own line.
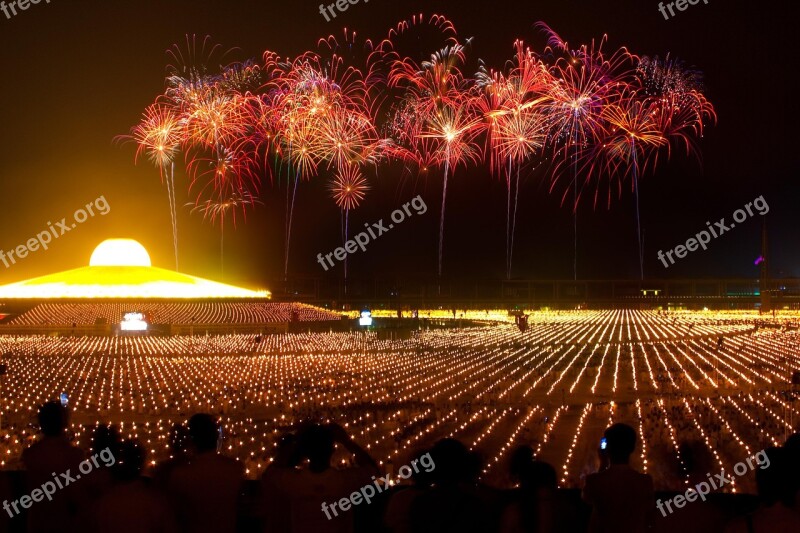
x=481, y=384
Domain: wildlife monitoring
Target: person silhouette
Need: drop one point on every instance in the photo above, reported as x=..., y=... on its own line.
x=777, y=493
x=397, y=517
x=130, y=506
x=275, y=508
x=622, y=499
x=179, y=445
x=453, y=504
x=530, y=509
x=44, y=462
x=312, y=488
x=205, y=490
x=100, y=479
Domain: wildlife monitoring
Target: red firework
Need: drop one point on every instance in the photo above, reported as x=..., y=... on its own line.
x=348, y=187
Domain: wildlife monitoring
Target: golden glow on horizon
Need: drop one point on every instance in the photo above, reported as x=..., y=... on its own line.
x=121, y=268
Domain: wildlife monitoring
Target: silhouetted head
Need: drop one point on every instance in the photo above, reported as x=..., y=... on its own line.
x=131, y=461
x=105, y=436
x=620, y=443
x=179, y=440
x=315, y=442
x=454, y=463
x=203, y=431
x=793, y=443
x=53, y=418
x=775, y=483
x=792, y=448
x=538, y=475
x=521, y=458
x=286, y=453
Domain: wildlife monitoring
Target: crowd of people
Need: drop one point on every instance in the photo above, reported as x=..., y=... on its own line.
x=318, y=467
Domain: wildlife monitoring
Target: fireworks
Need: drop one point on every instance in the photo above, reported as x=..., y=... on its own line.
x=629, y=143
x=442, y=105
x=515, y=124
x=158, y=136
x=218, y=207
x=594, y=116
x=679, y=106
x=348, y=187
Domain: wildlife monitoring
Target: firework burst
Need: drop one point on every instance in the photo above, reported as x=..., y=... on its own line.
x=679, y=106
x=348, y=187
x=158, y=136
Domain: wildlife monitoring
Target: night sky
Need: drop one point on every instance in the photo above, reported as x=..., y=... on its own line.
x=77, y=73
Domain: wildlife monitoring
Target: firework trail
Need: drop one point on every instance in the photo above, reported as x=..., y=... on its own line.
x=348, y=189
x=158, y=136
x=629, y=147
x=323, y=116
x=444, y=110
x=514, y=126
x=217, y=208
x=586, y=80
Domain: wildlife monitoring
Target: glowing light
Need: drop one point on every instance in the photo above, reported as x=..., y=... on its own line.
x=120, y=252
x=365, y=319
x=133, y=322
x=120, y=268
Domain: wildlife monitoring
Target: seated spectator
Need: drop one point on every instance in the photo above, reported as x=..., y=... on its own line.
x=453, y=503
x=397, y=517
x=792, y=447
x=530, y=509
x=777, y=489
x=53, y=456
x=130, y=505
x=205, y=491
x=621, y=498
x=275, y=506
x=103, y=437
x=315, y=490
x=179, y=445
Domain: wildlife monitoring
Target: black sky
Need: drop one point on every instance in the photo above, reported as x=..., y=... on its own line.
x=77, y=73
